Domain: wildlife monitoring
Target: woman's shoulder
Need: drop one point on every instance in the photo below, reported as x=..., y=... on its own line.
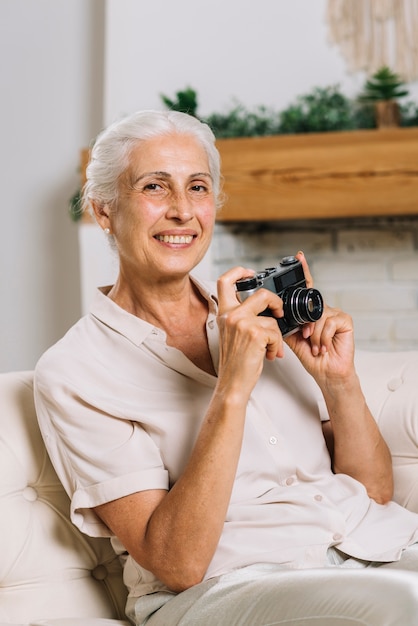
x=68, y=351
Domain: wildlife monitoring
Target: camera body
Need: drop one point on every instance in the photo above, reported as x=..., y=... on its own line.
x=300, y=303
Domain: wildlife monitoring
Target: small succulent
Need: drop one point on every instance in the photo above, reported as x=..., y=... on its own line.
x=383, y=85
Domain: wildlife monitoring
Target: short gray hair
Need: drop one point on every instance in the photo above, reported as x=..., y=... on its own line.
x=112, y=148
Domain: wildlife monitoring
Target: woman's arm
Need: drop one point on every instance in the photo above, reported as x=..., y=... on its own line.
x=359, y=449
x=326, y=349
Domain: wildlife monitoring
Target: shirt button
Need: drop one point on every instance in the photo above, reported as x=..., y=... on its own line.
x=290, y=481
x=337, y=536
x=318, y=497
x=211, y=324
x=273, y=440
x=394, y=384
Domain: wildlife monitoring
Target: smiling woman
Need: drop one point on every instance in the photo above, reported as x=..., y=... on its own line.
x=184, y=426
x=163, y=186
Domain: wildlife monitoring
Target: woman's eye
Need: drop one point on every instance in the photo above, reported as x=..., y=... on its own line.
x=199, y=188
x=152, y=187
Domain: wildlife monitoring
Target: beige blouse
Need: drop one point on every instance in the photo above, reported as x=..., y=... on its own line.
x=120, y=411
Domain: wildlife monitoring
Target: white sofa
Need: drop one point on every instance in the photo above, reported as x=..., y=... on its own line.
x=51, y=575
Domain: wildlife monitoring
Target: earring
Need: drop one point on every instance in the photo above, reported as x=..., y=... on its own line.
x=107, y=231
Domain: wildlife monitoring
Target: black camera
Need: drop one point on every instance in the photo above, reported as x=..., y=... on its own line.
x=300, y=303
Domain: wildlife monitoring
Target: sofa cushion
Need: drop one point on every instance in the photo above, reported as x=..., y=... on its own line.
x=390, y=384
x=48, y=569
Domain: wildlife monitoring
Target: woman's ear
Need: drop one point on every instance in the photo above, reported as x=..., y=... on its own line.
x=101, y=212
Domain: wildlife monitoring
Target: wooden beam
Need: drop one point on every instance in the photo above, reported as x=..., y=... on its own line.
x=324, y=175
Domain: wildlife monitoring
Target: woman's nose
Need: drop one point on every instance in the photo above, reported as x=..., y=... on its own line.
x=180, y=207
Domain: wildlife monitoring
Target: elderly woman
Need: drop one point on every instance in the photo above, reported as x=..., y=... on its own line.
x=187, y=429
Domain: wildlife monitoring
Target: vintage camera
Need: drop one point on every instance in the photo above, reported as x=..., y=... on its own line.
x=301, y=304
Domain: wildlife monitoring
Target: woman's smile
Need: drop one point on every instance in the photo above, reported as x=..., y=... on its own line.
x=183, y=239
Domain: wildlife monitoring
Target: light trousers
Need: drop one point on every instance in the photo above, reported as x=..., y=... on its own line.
x=347, y=593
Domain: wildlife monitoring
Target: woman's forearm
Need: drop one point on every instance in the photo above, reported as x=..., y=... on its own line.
x=184, y=530
x=359, y=448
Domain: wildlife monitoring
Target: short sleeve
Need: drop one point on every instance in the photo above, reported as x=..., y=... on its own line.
x=98, y=453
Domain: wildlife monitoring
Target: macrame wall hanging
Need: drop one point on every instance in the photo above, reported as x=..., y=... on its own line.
x=376, y=33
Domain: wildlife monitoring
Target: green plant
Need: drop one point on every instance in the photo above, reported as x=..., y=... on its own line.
x=383, y=85
x=409, y=114
x=363, y=115
x=185, y=102
x=241, y=122
x=75, y=209
x=323, y=109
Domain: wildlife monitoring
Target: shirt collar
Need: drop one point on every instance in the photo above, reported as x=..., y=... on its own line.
x=134, y=328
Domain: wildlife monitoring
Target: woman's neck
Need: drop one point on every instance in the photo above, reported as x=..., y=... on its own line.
x=157, y=303
x=178, y=309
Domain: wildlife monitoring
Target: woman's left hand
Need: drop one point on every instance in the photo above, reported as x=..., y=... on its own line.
x=326, y=347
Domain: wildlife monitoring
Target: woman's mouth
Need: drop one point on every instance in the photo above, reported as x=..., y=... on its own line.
x=176, y=239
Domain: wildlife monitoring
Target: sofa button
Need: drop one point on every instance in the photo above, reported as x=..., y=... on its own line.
x=99, y=572
x=30, y=494
x=394, y=384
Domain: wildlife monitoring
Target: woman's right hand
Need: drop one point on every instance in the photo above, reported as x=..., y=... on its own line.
x=246, y=338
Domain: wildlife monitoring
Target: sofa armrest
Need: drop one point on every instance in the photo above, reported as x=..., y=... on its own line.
x=390, y=384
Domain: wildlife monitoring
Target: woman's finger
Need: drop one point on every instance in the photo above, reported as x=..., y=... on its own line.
x=227, y=296
x=308, y=277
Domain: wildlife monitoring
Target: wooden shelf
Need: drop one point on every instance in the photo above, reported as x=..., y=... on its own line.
x=319, y=176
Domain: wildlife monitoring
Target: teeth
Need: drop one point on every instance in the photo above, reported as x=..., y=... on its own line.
x=175, y=238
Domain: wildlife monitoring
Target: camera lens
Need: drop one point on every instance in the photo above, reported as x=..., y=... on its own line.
x=304, y=305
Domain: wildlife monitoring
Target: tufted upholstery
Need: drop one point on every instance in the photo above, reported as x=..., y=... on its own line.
x=390, y=383
x=48, y=570
x=51, y=575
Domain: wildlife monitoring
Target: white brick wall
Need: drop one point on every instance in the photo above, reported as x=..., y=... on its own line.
x=369, y=270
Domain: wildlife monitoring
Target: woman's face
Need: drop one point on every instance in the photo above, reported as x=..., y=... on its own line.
x=165, y=214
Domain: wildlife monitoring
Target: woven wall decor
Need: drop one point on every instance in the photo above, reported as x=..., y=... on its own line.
x=376, y=33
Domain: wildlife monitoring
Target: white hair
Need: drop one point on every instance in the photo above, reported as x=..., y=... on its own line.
x=112, y=148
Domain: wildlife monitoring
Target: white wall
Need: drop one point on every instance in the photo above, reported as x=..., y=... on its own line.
x=51, y=105
x=265, y=52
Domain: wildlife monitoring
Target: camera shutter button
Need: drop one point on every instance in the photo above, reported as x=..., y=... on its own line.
x=288, y=260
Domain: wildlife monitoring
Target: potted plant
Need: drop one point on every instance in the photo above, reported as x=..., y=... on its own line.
x=383, y=90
